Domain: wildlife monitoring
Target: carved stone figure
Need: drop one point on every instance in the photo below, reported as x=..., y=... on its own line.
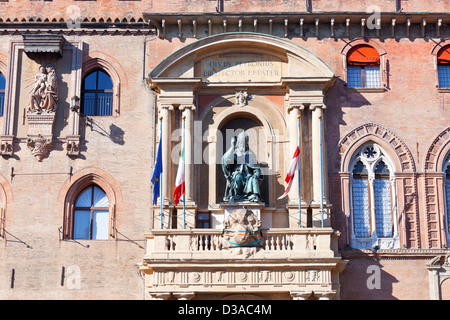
x=44, y=95
x=241, y=98
x=242, y=173
x=242, y=228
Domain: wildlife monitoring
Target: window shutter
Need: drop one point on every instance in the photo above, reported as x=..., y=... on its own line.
x=363, y=55
x=444, y=56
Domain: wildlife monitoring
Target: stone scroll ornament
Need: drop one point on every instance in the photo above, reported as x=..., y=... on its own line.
x=242, y=228
x=42, y=106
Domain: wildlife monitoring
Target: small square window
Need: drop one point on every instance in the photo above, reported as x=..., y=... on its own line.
x=203, y=220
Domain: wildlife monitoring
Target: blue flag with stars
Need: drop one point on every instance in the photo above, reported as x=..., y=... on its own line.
x=157, y=170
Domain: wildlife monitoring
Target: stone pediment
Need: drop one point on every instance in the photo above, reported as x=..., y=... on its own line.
x=241, y=58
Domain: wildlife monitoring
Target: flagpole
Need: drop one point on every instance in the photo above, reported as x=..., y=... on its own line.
x=184, y=164
x=161, y=196
x=321, y=170
x=299, y=177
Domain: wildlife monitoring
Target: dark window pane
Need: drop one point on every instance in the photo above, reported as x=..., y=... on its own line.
x=89, y=104
x=2, y=93
x=444, y=76
x=104, y=104
x=360, y=169
x=104, y=81
x=381, y=169
x=354, y=79
x=2, y=82
x=90, y=82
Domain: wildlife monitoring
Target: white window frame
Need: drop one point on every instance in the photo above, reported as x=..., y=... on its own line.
x=371, y=163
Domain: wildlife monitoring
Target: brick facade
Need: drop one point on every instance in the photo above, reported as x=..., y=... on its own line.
x=409, y=117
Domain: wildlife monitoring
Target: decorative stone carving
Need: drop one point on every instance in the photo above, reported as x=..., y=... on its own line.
x=241, y=98
x=44, y=95
x=39, y=145
x=242, y=228
x=7, y=146
x=73, y=146
x=42, y=105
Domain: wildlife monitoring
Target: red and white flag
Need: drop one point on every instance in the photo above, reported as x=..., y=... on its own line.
x=179, y=181
x=291, y=173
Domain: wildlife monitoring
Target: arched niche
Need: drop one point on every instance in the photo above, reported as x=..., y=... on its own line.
x=264, y=124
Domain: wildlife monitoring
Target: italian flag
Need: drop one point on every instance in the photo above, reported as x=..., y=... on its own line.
x=179, y=181
x=291, y=173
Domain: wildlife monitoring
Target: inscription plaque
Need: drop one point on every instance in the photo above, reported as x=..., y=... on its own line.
x=241, y=68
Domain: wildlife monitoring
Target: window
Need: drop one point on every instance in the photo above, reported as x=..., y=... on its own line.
x=91, y=214
x=2, y=93
x=363, y=67
x=443, y=60
x=97, y=94
x=373, y=207
x=203, y=220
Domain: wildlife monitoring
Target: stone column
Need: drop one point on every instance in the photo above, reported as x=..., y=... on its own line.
x=188, y=114
x=191, y=208
x=318, y=146
x=165, y=114
x=165, y=118
x=295, y=114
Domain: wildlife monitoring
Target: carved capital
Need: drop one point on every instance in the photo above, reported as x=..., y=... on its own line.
x=166, y=106
x=300, y=295
x=292, y=106
x=313, y=106
x=184, y=295
x=184, y=107
x=39, y=145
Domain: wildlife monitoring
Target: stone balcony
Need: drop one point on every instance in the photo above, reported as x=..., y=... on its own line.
x=293, y=263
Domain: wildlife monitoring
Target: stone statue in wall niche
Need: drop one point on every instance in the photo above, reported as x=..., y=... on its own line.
x=242, y=173
x=44, y=95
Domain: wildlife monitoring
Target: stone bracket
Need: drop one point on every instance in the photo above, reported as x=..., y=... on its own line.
x=7, y=145
x=73, y=146
x=40, y=145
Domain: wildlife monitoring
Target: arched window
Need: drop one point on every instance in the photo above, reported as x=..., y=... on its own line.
x=363, y=67
x=91, y=214
x=2, y=93
x=373, y=200
x=97, y=94
x=443, y=60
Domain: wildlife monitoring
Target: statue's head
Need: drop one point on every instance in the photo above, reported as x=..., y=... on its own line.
x=242, y=141
x=49, y=68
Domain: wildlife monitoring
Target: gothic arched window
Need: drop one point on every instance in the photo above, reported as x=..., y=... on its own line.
x=373, y=199
x=97, y=94
x=91, y=214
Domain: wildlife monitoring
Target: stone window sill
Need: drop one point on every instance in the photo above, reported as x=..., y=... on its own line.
x=361, y=90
